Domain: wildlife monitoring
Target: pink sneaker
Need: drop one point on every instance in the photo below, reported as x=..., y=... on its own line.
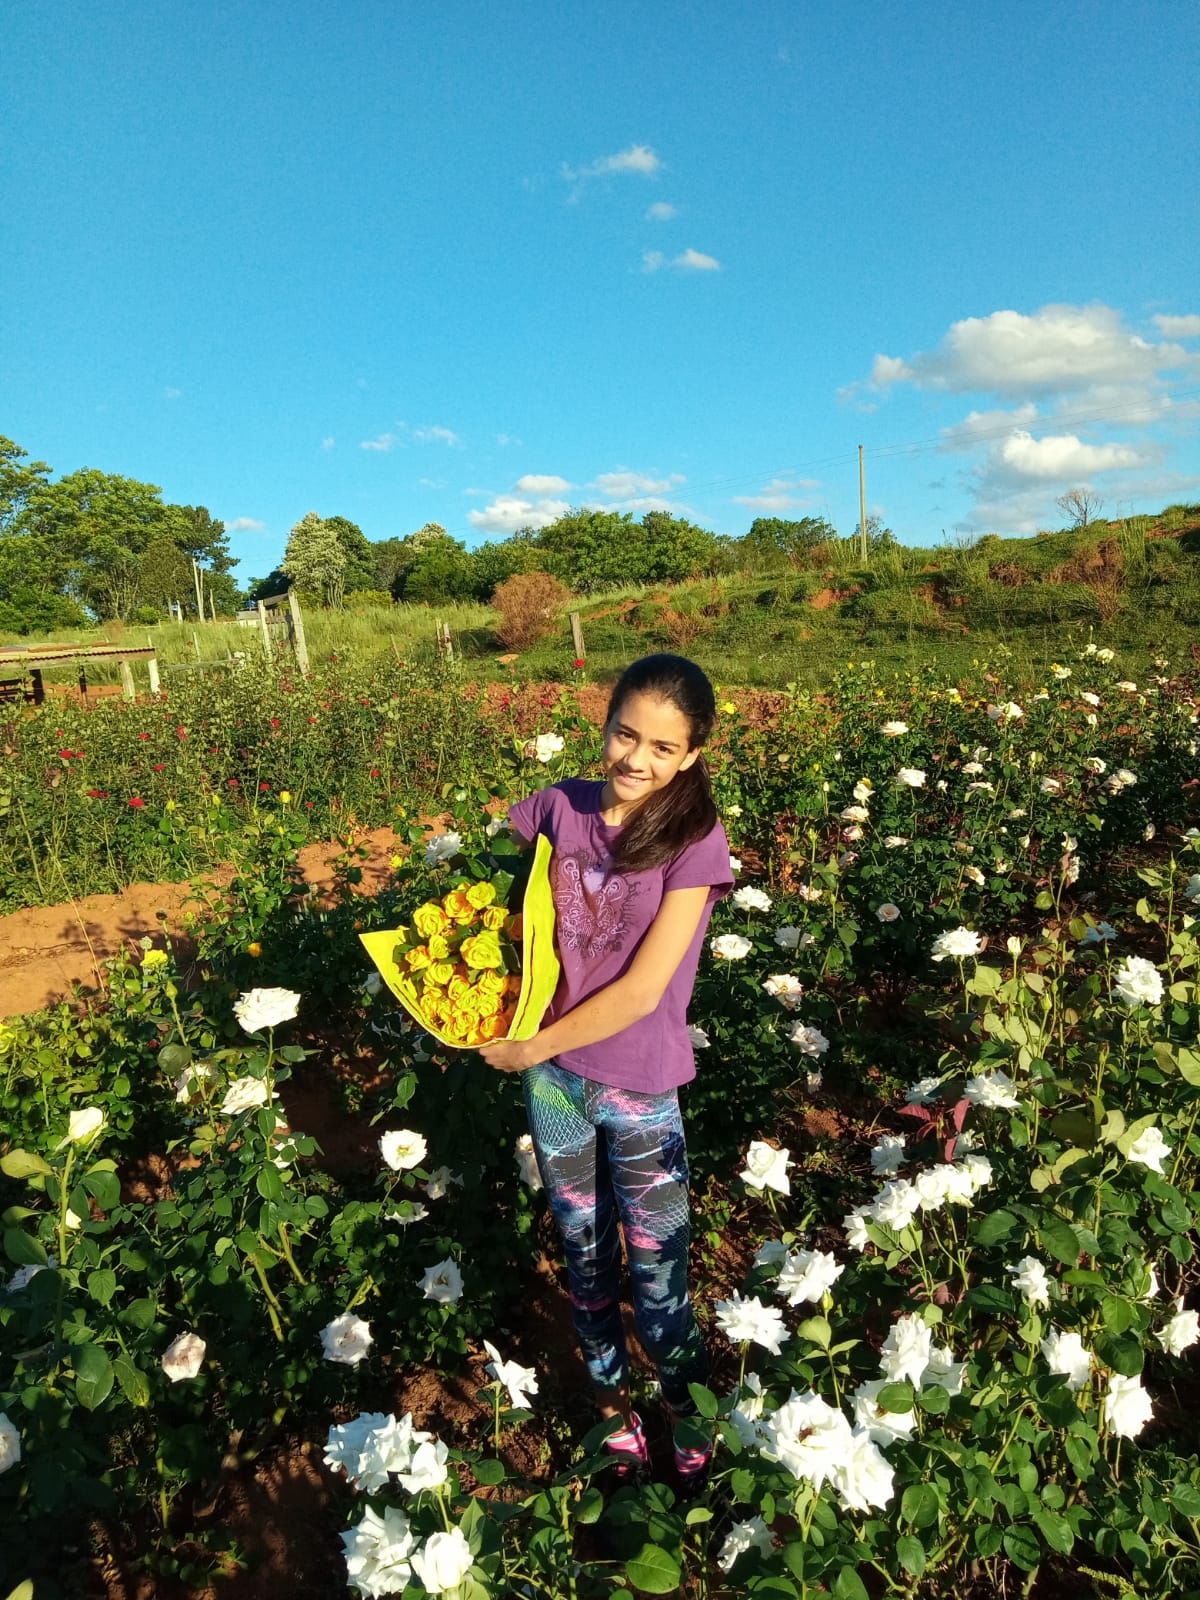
x=631, y=1453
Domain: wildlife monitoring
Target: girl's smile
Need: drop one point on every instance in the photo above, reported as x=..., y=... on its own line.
x=645, y=744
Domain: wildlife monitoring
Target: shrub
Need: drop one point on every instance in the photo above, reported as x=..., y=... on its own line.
x=528, y=603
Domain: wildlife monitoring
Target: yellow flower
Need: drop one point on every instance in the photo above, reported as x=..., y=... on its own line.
x=488, y=1005
x=154, y=958
x=439, y=972
x=494, y=918
x=728, y=707
x=482, y=950
x=170, y=805
x=252, y=949
x=439, y=949
x=214, y=799
x=397, y=863
x=285, y=798
x=481, y=894
x=491, y=983
x=457, y=986
x=429, y=919
x=493, y=1028
x=417, y=958
x=458, y=907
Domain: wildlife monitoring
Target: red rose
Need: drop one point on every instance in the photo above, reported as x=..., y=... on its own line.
x=136, y=801
x=263, y=785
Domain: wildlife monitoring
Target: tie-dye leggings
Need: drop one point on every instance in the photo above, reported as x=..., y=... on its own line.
x=605, y=1153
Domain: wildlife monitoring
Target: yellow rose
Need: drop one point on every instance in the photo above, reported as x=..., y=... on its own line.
x=285, y=798
x=154, y=958
x=492, y=1028
x=417, y=958
x=440, y=973
x=439, y=948
x=481, y=894
x=457, y=986
x=487, y=1005
x=494, y=918
x=429, y=918
x=252, y=949
x=397, y=863
x=170, y=805
x=492, y=983
x=482, y=950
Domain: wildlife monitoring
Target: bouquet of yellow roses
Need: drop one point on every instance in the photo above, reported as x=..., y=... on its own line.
x=478, y=964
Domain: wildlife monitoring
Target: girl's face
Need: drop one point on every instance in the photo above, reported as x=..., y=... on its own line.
x=646, y=742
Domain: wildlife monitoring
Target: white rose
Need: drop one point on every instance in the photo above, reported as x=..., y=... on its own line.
x=957, y=943
x=1149, y=1149
x=749, y=1320
x=730, y=947
x=994, y=1090
x=906, y=1350
x=441, y=847
x=439, y=1181
x=887, y=1157
x=1181, y=1332
x=1032, y=1279
x=377, y=1551
x=911, y=777
x=84, y=1125
x=265, y=1008
x=743, y=1536
x=888, y=912
x=243, y=1094
x=1138, y=982
x=766, y=1168
x=698, y=1037
x=787, y=938
x=885, y=1427
x=855, y=1224
x=346, y=1339
x=443, y=1282
x=1067, y=1356
x=1127, y=1406
x=526, y=1160
x=443, y=1561
x=184, y=1357
x=893, y=730
x=809, y=1041
x=896, y=1204
x=750, y=899
x=784, y=987
x=10, y=1443
x=808, y=1276
x=402, y=1149
x=1010, y=711
x=520, y=1381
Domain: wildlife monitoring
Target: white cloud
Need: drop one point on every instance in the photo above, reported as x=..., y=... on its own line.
x=1178, y=327
x=1058, y=457
x=245, y=525
x=661, y=211
x=687, y=261
x=978, y=427
x=625, y=485
x=779, y=495
x=327, y=443
x=508, y=512
x=541, y=483
x=436, y=435
x=639, y=158
x=385, y=442
x=1059, y=349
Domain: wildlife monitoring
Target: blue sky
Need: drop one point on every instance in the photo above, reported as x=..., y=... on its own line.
x=473, y=263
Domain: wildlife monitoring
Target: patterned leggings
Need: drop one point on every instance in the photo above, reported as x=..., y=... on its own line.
x=605, y=1153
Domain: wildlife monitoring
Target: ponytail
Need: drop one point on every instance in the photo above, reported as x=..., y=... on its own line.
x=684, y=812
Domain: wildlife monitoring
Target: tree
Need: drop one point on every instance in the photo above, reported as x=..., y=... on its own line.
x=494, y=562
x=674, y=548
x=1081, y=505
x=774, y=540
x=18, y=483
x=359, y=553
x=315, y=560
x=200, y=536
x=878, y=537
x=441, y=571
x=165, y=575
x=588, y=549
x=100, y=525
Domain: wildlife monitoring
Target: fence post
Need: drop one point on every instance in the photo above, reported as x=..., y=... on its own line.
x=266, y=628
x=299, y=643
x=577, y=637
x=127, y=688
x=152, y=669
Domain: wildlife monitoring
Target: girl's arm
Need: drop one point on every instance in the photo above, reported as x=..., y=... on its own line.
x=622, y=1003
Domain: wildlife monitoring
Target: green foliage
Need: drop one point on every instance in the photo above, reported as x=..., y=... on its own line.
x=315, y=558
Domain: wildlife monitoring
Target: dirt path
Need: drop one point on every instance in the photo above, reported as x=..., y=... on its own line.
x=46, y=950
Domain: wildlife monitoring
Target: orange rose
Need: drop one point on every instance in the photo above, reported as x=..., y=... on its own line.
x=481, y=894
x=514, y=984
x=494, y=918
x=458, y=907
x=429, y=919
x=492, y=1028
x=457, y=986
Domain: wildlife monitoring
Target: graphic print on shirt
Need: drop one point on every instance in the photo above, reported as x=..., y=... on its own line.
x=592, y=904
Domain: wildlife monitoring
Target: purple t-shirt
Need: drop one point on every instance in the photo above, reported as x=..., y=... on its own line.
x=602, y=917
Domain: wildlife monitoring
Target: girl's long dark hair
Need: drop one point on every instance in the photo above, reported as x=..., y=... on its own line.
x=668, y=821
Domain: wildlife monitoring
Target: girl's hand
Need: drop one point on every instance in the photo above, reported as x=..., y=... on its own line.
x=513, y=1055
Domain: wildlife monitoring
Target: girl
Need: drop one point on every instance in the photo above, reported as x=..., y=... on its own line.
x=639, y=860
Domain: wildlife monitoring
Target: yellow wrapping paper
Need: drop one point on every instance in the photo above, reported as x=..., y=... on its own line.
x=539, y=958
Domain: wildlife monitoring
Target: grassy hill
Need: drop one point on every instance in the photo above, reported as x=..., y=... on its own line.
x=1133, y=585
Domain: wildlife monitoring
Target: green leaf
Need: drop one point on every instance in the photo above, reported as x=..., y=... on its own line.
x=102, y=1285
x=1080, y=1455
x=172, y=1058
x=1185, y=1497
x=910, y=1553
x=139, y=1314
x=1058, y=1239
x=1118, y=1314
x=698, y=1514
x=269, y=1182
x=23, y=1249
x=1022, y=1548
x=935, y=1400
x=23, y=1591
x=23, y=1164
x=704, y=1400
x=488, y=1471
x=1188, y=1062
x=999, y=1225
x=985, y=980
x=93, y=1375
x=135, y=1386
x=895, y=1397
x=919, y=1503
x=655, y=1570
x=104, y=1187
x=1122, y=1353
x=1056, y=1531
x=849, y=1586
x=590, y=1507
x=816, y=1330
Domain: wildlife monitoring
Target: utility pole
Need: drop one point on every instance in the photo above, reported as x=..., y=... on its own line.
x=862, y=507
x=199, y=590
